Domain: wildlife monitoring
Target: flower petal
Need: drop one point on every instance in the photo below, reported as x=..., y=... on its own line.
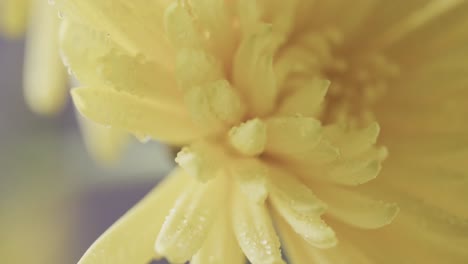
x=249, y=138
x=140, y=34
x=134, y=114
x=357, y=209
x=142, y=223
x=253, y=70
x=13, y=16
x=215, y=104
x=251, y=175
x=45, y=78
x=254, y=231
x=82, y=46
x=189, y=222
x=304, y=98
x=105, y=144
x=299, y=251
x=202, y=160
x=293, y=138
x=302, y=210
x=220, y=247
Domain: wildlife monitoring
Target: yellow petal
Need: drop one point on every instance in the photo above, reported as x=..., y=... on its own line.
x=305, y=99
x=220, y=247
x=287, y=188
x=105, y=144
x=83, y=46
x=202, y=160
x=354, y=142
x=298, y=251
x=254, y=231
x=358, y=170
x=44, y=77
x=302, y=210
x=293, y=138
x=141, y=224
x=13, y=16
x=357, y=209
x=189, y=222
x=134, y=114
x=180, y=28
x=213, y=16
x=196, y=67
x=140, y=34
x=249, y=138
x=251, y=175
x=215, y=104
x=253, y=71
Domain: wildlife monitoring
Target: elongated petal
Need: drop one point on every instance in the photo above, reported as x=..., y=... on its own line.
x=292, y=138
x=358, y=170
x=105, y=144
x=141, y=224
x=220, y=247
x=299, y=251
x=189, y=222
x=305, y=99
x=290, y=190
x=302, y=210
x=249, y=138
x=202, y=160
x=180, y=28
x=44, y=77
x=215, y=104
x=357, y=209
x=141, y=33
x=254, y=231
x=84, y=46
x=13, y=16
x=134, y=114
x=251, y=175
x=253, y=71
x=214, y=17
x=196, y=67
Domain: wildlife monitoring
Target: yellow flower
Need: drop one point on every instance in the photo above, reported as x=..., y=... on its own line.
x=279, y=105
x=45, y=77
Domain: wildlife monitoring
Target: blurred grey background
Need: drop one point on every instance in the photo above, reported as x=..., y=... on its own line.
x=54, y=199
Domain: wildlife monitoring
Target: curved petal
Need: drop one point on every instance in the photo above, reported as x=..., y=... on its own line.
x=45, y=78
x=142, y=223
x=254, y=231
x=189, y=222
x=135, y=114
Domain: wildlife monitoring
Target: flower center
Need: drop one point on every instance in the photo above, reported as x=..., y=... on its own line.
x=358, y=79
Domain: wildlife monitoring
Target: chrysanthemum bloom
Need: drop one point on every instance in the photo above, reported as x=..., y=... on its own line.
x=279, y=105
x=45, y=77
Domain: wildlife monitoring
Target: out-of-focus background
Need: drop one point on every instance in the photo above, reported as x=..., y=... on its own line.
x=54, y=199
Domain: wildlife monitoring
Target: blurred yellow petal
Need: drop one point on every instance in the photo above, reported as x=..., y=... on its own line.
x=13, y=16
x=105, y=144
x=253, y=71
x=141, y=224
x=45, y=77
